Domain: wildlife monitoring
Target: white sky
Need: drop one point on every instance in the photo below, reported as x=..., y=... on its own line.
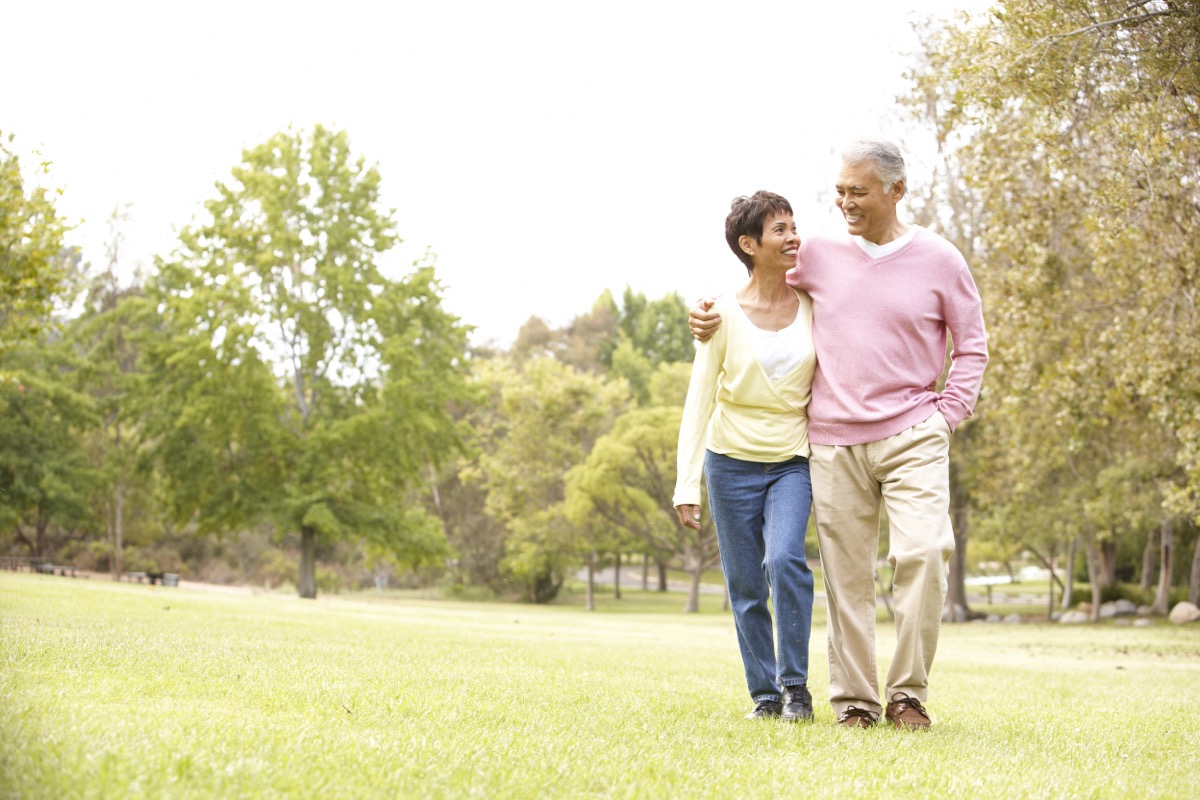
x=545, y=150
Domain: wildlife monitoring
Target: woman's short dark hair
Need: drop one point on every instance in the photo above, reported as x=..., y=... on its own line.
x=747, y=215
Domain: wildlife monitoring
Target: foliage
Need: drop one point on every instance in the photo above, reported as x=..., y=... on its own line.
x=106, y=368
x=542, y=419
x=1070, y=143
x=46, y=477
x=35, y=268
x=293, y=381
x=626, y=485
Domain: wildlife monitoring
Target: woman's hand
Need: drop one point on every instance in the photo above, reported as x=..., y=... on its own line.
x=689, y=516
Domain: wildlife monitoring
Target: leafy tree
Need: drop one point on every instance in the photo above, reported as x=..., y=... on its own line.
x=34, y=266
x=103, y=341
x=46, y=478
x=628, y=482
x=296, y=382
x=546, y=418
x=1086, y=253
x=657, y=328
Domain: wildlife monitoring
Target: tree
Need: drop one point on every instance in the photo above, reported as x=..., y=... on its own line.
x=296, y=382
x=628, y=482
x=544, y=420
x=35, y=268
x=1086, y=254
x=103, y=340
x=46, y=478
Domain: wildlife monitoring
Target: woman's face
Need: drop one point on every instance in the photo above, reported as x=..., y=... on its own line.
x=780, y=243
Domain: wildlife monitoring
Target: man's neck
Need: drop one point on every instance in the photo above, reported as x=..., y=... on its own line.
x=893, y=232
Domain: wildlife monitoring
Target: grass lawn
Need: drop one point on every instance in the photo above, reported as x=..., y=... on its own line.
x=125, y=690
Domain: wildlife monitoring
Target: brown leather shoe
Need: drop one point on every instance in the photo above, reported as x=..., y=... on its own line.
x=855, y=717
x=907, y=712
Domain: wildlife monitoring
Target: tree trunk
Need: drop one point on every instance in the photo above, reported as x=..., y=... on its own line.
x=1069, y=592
x=1108, y=562
x=1095, y=570
x=1194, y=578
x=645, y=572
x=693, y=599
x=119, y=532
x=1162, y=600
x=591, y=580
x=1149, y=559
x=662, y=575
x=617, y=576
x=1050, y=586
x=308, y=563
x=957, y=608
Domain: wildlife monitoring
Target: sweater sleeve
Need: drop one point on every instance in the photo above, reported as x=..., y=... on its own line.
x=697, y=412
x=969, y=356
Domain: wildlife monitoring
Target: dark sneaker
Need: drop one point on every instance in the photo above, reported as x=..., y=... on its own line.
x=855, y=717
x=797, y=704
x=766, y=709
x=907, y=712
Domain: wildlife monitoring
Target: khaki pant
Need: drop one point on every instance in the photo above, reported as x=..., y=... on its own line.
x=908, y=475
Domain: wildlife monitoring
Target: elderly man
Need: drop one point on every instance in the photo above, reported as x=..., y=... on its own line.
x=884, y=298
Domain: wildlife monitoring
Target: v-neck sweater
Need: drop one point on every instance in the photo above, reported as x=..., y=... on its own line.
x=880, y=327
x=733, y=408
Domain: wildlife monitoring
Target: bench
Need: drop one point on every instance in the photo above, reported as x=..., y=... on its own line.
x=47, y=568
x=164, y=578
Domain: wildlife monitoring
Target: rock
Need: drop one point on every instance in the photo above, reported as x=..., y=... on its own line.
x=1074, y=617
x=1012, y=619
x=1145, y=611
x=993, y=618
x=1183, y=613
x=1142, y=622
x=955, y=614
x=1117, y=608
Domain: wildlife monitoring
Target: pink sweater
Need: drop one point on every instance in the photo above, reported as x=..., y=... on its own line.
x=880, y=327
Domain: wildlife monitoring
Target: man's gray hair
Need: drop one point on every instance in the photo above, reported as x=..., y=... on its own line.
x=884, y=154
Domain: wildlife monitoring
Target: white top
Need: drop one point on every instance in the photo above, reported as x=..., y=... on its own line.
x=780, y=351
x=881, y=250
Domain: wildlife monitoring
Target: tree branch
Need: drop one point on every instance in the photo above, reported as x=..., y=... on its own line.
x=1107, y=24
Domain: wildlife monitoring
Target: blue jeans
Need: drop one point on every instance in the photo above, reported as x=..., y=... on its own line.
x=761, y=513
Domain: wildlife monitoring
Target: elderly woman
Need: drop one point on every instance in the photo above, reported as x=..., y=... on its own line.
x=745, y=431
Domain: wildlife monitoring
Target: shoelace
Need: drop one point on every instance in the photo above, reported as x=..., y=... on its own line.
x=909, y=702
x=855, y=711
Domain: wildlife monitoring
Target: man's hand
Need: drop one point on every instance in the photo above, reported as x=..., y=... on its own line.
x=703, y=321
x=689, y=516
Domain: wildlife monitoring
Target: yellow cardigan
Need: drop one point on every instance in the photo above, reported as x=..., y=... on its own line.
x=732, y=407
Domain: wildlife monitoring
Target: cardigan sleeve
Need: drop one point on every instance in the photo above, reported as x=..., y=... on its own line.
x=697, y=413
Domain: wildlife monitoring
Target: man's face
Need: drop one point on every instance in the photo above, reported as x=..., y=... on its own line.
x=870, y=212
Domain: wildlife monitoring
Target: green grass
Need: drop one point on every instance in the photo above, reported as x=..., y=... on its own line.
x=123, y=690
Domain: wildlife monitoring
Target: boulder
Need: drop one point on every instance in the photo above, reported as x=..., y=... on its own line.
x=955, y=614
x=1012, y=619
x=1074, y=617
x=1184, y=612
x=1117, y=608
